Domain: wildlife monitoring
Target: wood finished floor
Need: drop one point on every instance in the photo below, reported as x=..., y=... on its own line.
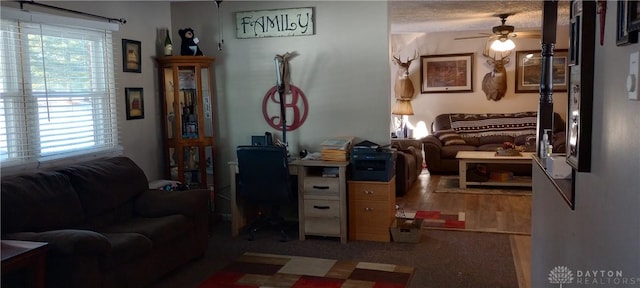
x=492, y=213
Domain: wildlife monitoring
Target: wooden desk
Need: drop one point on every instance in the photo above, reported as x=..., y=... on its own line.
x=25, y=255
x=322, y=206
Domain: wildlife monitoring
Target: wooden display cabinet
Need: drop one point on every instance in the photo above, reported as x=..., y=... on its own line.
x=186, y=89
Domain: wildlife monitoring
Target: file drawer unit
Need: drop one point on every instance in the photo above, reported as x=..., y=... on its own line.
x=372, y=208
x=322, y=201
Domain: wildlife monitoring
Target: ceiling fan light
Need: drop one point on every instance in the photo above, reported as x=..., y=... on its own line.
x=503, y=45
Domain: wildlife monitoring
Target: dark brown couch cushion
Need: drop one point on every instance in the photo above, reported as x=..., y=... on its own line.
x=124, y=248
x=450, y=137
x=40, y=201
x=119, y=180
x=159, y=229
x=68, y=241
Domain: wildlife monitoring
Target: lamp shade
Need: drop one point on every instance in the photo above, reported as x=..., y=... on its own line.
x=503, y=45
x=402, y=107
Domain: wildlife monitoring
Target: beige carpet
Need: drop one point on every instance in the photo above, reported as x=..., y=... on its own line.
x=451, y=184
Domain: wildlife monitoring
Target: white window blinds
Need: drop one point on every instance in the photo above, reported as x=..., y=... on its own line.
x=57, y=92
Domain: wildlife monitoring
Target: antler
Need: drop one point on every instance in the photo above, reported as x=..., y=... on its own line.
x=406, y=63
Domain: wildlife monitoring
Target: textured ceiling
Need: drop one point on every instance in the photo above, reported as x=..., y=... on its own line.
x=453, y=15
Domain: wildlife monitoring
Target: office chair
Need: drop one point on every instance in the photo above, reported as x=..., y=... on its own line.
x=264, y=181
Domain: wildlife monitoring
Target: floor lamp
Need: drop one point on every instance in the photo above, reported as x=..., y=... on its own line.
x=402, y=108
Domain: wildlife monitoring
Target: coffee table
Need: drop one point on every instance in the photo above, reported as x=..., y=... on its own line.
x=25, y=255
x=487, y=157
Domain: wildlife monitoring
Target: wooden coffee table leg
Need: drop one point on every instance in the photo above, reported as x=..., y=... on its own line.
x=463, y=173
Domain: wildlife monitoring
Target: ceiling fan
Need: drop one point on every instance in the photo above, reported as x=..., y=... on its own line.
x=504, y=32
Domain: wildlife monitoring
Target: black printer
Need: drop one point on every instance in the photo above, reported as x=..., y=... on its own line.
x=369, y=162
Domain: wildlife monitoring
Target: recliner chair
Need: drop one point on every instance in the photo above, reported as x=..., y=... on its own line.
x=264, y=181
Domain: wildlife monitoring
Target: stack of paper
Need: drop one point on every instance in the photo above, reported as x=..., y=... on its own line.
x=336, y=149
x=330, y=172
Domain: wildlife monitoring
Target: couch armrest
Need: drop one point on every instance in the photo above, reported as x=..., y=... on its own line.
x=157, y=203
x=67, y=241
x=432, y=152
x=432, y=141
x=406, y=143
x=402, y=173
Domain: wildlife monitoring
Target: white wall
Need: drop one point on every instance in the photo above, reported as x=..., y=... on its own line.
x=343, y=70
x=141, y=139
x=427, y=106
x=604, y=230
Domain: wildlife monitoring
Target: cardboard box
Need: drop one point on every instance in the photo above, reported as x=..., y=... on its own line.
x=406, y=230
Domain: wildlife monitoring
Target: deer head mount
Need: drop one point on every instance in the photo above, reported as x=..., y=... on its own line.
x=403, y=87
x=494, y=83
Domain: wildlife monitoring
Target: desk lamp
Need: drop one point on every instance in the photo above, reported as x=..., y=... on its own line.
x=402, y=108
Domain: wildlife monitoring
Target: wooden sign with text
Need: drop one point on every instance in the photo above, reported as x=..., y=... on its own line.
x=275, y=23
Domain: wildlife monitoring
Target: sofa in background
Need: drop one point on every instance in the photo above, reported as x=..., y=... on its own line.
x=451, y=133
x=408, y=163
x=104, y=226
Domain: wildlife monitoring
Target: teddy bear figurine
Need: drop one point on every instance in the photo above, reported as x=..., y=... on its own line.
x=189, y=46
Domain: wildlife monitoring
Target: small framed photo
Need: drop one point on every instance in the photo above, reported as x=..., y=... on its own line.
x=451, y=73
x=623, y=36
x=633, y=16
x=134, y=103
x=131, y=56
x=529, y=71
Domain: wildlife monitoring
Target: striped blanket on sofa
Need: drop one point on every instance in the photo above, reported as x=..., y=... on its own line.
x=507, y=124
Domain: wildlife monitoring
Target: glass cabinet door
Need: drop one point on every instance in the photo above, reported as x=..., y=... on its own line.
x=188, y=119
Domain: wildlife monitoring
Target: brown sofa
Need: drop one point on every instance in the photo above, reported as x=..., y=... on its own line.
x=451, y=133
x=104, y=227
x=408, y=163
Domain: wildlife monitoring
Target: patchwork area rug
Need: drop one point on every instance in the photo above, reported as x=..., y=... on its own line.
x=451, y=184
x=435, y=219
x=270, y=270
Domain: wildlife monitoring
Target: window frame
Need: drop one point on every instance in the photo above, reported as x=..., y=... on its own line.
x=104, y=134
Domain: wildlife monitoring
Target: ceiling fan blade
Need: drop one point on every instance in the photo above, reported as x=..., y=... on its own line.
x=528, y=34
x=470, y=37
x=482, y=35
x=531, y=36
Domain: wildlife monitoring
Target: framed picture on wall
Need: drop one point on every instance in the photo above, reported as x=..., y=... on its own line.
x=451, y=73
x=580, y=94
x=529, y=69
x=633, y=16
x=134, y=103
x=623, y=36
x=131, y=58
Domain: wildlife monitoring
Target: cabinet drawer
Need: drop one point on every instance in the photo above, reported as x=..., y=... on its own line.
x=371, y=214
x=322, y=226
x=322, y=208
x=321, y=186
x=370, y=191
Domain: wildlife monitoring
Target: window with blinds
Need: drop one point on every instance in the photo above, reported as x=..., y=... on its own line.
x=57, y=92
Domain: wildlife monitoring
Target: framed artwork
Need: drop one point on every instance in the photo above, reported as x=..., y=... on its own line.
x=633, y=16
x=529, y=71
x=623, y=37
x=134, y=103
x=450, y=73
x=131, y=57
x=580, y=98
